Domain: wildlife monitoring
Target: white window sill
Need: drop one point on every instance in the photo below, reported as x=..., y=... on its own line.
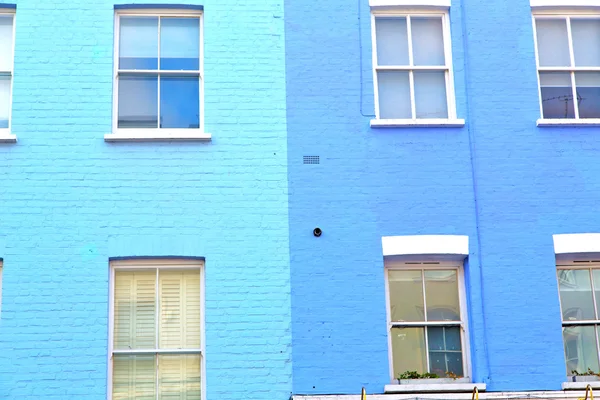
x=569, y=122
x=564, y=3
x=393, y=123
x=151, y=135
x=580, y=385
x=7, y=137
x=410, y=3
x=435, y=388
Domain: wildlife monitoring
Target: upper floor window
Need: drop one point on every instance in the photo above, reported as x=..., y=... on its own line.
x=158, y=71
x=6, y=67
x=426, y=318
x=568, y=62
x=412, y=66
x=156, y=337
x=579, y=286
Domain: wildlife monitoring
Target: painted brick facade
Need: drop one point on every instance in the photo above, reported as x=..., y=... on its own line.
x=70, y=201
x=285, y=312
x=500, y=180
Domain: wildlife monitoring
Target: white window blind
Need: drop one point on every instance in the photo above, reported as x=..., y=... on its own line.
x=6, y=67
x=179, y=310
x=135, y=310
x=157, y=332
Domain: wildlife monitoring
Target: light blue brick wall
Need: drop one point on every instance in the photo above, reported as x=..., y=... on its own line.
x=69, y=201
x=529, y=183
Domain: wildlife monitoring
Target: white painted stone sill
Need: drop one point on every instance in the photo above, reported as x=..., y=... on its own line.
x=564, y=3
x=410, y=3
x=425, y=123
x=569, y=122
x=580, y=385
x=435, y=388
x=7, y=137
x=457, y=245
x=153, y=135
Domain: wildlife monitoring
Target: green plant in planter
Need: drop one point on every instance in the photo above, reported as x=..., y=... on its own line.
x=416, y=375
x=589, y=372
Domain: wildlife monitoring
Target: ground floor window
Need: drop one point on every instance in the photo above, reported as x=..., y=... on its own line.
x=426, y=319
x=579, y=287
x=156, y=315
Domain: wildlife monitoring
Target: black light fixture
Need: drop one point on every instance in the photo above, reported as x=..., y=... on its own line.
x=317, y=232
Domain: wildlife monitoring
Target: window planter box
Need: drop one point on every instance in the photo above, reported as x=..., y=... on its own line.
x=430, y=381
x=584, y=378
x=442, y=385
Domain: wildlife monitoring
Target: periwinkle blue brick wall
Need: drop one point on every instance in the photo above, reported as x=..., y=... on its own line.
x=69, y=201
x=501, y=180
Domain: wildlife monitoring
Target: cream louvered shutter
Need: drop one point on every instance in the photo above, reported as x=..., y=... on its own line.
x=179, y=377
x=135, y=310
x=134, y=377
x=179, y=325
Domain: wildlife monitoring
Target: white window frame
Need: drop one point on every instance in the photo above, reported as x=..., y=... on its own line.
x=424, y=265
x=5, y=133
x=452, y=119
x=580, y=263
x=135, y=134
x=554, y=13
x=1, y=272
x=155, y=264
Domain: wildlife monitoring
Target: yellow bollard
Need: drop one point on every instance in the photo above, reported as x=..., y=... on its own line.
x=363, y=395
x=588, y=390
x=475, y=394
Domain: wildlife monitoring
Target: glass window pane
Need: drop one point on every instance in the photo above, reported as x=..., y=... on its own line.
x=452, y=336
x=445, y=350
x=586, y=42
x=581, y=352
x=138, y=43
x=435, y=337
x=596, y=273
x=134, y=377
x=444, y=338
x=179, y=309
x=392, y=41
x=428, y=41
x=430, y=94
x=4, y=100
x=179, y=102
x=138, y=101
x=408, y=350
x=455, y=363
x=6, y=42
x=437, y=363
x=394, y=95
x=557, y=95
x=442, y=363
x=588, y=94
x=553, y=42
x=179, y=377
x=441, y=295
x=576, y=294
x=135, y=310
x=180, y=44
x=406, y=295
